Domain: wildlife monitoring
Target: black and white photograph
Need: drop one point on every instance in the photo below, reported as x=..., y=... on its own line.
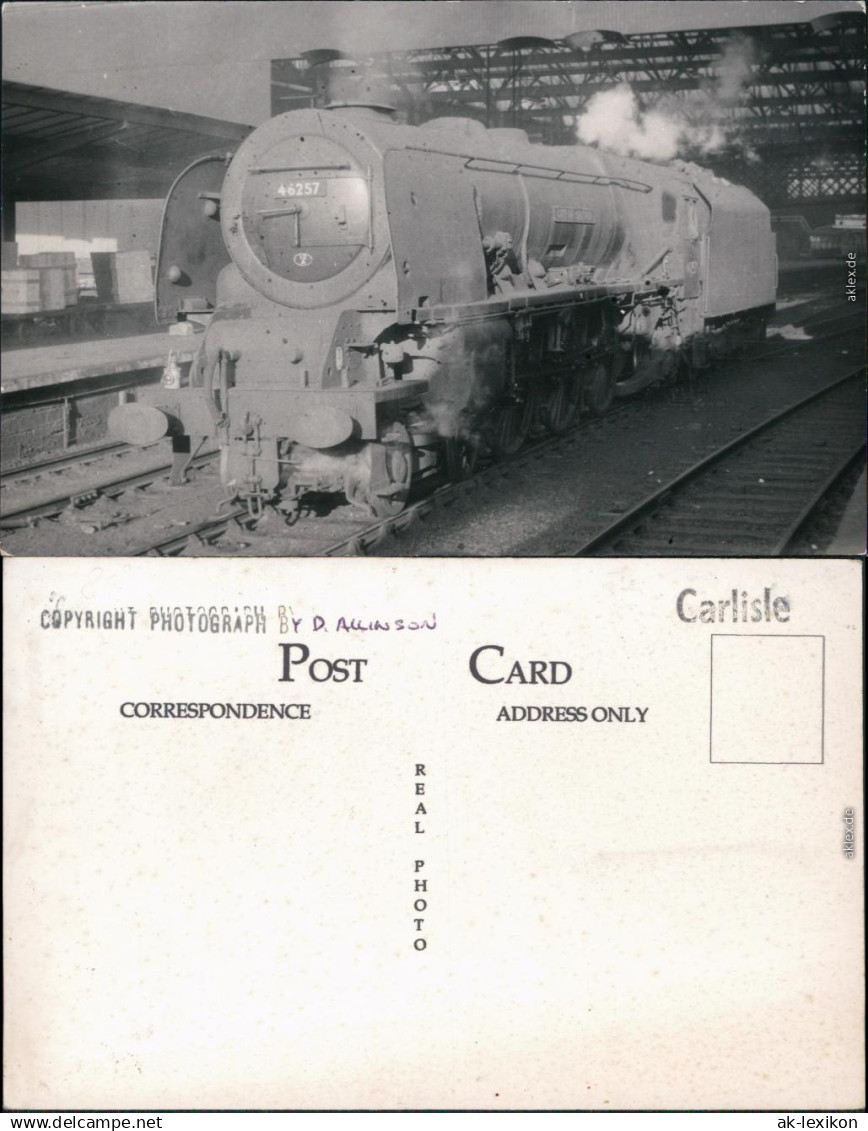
x=435, y=835
x=433, y=279
x=433, y=530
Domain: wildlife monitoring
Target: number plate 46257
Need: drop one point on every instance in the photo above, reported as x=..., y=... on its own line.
x=302, y=188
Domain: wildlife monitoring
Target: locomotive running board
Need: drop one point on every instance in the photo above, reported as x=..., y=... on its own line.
x=551, y=301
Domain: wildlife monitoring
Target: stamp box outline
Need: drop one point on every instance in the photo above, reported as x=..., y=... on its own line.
x=764, y=636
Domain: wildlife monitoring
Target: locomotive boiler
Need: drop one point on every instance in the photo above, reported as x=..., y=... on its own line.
x=383, y=301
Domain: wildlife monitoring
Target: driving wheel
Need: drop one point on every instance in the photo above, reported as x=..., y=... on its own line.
x=600, y=388
x=560, y=410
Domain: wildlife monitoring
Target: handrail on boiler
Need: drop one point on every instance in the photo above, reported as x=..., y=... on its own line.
x=295, y=168
x=523, y=169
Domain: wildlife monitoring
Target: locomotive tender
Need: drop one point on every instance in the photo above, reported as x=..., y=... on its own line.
x=382, y=299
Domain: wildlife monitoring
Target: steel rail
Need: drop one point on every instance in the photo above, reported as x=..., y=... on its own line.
x=62, y=461
x=23, y=515
x=627, y=522
x=202, y=532
x=816, y=498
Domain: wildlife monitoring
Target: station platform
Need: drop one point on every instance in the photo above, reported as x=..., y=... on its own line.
x=828, y=275
x=850, y=538
x=84, y=319
x=808, y=263
x=43, y=366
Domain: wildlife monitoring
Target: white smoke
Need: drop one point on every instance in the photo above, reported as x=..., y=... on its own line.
x=613, y=121
x=703, y=122
x=734, y=70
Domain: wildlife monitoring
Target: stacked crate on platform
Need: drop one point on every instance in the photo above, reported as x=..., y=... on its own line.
x=57, y=287
x=19, y=291
x=57, y=278
x=123, y=276
x=48, y=259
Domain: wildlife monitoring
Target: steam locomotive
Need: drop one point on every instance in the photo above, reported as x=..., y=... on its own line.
x=383, y=301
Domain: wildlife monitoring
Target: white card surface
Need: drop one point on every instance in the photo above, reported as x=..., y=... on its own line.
x=555, y=834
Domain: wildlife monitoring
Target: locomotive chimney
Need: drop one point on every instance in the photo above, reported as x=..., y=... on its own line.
x=347, y=84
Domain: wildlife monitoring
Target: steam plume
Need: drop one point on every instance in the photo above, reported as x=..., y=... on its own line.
x=703, y=122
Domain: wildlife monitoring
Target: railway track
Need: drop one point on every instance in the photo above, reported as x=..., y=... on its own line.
x=61, y=462
x=108, y=486
x=779, y=471
x=800, y=343
x=334, y=535
x=780, y=500
x=338, y=535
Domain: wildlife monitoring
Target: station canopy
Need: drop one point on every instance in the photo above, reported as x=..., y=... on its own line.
x=58, y=145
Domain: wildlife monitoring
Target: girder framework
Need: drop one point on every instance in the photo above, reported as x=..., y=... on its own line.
x=799, y=119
